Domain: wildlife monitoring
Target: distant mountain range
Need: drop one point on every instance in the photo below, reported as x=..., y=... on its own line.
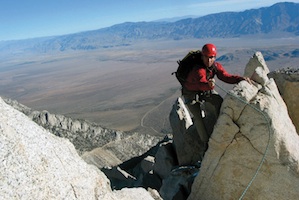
x=280, y=19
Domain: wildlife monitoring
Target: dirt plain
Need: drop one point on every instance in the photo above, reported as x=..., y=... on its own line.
x=125, y=88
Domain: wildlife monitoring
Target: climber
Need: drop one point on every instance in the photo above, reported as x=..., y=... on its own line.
x=200, y=97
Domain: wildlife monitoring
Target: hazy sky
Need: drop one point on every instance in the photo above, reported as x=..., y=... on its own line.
x=20, y=19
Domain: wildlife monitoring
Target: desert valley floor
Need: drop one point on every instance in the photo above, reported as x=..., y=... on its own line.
x=124, y=88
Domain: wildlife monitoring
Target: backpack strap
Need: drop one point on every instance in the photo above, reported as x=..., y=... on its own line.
x=213, y=69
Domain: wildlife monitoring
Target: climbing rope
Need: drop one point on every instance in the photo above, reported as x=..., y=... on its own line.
x=268, y=144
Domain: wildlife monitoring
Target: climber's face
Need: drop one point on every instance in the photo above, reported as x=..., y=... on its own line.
x=208, y=60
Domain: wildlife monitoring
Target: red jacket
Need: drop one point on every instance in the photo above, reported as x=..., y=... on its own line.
x=197, y=78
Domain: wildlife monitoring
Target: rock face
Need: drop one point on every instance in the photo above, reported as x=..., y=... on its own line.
x=287, y=81
x=35, y=164
x=185, y=138
x=254, y=149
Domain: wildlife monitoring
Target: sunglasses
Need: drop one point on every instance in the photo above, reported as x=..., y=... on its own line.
x=211, y=57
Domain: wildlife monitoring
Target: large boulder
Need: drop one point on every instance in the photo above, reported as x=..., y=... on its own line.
x=35, y=164
x=186, y=140
x=254, y=148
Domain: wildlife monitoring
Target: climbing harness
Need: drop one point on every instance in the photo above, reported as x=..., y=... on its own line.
x=268, y=144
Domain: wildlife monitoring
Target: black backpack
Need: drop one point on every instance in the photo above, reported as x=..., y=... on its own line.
x=192, y=59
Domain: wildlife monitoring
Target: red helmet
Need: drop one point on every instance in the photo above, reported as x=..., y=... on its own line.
x=209, y=50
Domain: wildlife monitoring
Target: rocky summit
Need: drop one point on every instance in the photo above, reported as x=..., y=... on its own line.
x=253, y=151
